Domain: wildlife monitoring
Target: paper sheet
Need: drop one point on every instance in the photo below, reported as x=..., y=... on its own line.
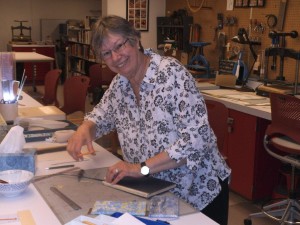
x=127, y=219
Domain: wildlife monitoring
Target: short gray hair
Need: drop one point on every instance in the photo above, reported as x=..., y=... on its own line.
x=116, y=25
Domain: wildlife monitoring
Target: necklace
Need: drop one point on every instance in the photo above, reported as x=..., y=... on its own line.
x=140, y=74
x=136, y=84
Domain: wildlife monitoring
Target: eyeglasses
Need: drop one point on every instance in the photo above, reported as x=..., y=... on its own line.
x=118, y=49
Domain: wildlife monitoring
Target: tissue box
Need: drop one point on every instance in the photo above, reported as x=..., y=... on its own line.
x=22, y=161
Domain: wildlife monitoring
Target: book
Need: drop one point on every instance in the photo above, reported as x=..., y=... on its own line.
x=47, y=112
x=163, y=206
x=42, y=135
x=136, y=208
x=145, y=187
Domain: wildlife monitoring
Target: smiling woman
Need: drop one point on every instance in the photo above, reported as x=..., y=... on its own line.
x=161, y=121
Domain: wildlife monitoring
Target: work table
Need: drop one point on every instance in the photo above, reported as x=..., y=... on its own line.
x=46, y=208
x=246, y=102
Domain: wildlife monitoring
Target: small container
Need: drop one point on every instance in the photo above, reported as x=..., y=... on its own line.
x=9, y=111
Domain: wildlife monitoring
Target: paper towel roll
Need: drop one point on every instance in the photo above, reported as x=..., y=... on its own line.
x=62, y=136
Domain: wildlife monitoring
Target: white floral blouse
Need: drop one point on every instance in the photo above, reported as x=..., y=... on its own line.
x=171, y=117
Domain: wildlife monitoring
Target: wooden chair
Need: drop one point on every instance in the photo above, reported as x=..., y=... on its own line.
x=282, y=141
x=95, y=75
x=51, y=83
x=100, y=78
x=217, y=117
x=107, y=76
x=75, y=92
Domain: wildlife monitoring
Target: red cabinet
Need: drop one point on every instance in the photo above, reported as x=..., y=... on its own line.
x=40, y=68
x=254, y=171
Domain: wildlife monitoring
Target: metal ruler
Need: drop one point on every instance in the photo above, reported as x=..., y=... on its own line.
x=69, y=201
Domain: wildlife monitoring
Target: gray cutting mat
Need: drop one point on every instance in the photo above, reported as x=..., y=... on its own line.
x=85, y=193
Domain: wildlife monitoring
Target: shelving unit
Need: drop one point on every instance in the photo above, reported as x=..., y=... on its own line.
x=80, y=57
x=79, y=53
x=177, y=29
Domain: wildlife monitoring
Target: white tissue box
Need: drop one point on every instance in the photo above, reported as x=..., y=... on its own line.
x=22, y=161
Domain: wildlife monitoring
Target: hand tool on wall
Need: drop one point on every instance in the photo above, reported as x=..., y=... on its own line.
x=281, y=15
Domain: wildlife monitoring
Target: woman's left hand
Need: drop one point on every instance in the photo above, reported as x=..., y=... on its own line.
x=122, y=169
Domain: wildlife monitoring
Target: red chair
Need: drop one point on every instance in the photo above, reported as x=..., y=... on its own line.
x=100, y=78
x=51, y=83
x=95, y=75
x=75, y=92
x=107, y=76
x=282, y=141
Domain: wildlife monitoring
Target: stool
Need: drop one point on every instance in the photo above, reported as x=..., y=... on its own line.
x=282, y=141
x=198, y=61
x=284, y=183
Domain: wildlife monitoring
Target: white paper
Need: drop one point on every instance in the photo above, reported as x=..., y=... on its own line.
x=127, y=219
x=99, y=220
x=229, y=5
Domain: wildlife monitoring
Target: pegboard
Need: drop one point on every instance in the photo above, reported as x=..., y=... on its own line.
x=207, y=18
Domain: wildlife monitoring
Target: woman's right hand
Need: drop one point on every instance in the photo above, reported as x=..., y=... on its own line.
x=83, y=136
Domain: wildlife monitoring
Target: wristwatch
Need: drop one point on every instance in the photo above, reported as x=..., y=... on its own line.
x=145, y=170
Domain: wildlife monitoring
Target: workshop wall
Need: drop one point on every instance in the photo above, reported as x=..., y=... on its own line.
x=207, y=18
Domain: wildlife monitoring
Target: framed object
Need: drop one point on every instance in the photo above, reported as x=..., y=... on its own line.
x=137, y=13
x=245, y=3
x=260, y=3
x=253, y=3
x=249, y=3
x=238, y=3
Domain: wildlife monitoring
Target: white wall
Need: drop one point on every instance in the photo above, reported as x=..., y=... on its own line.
x=35, y=10
x=59, y=10
x=156, y=8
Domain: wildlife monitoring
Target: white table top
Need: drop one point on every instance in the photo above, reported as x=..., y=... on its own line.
x=103, y=158
x=31, y=57
x=29, y=107
x=28, y=101
x=246, y=102
x=29, y=200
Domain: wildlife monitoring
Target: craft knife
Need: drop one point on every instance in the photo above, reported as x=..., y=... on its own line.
x=55, y=174
x=65, y=198
x=80, y=175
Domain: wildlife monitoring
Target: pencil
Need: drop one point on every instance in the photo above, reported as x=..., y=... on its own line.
x=86, y=153
x=59, y=167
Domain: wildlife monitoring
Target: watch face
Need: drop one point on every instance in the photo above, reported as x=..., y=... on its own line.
x=145, y=170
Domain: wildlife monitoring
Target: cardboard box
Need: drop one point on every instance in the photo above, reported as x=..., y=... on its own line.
x=225, y=80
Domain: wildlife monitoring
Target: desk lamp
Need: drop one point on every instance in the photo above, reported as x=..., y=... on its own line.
x=243, y=38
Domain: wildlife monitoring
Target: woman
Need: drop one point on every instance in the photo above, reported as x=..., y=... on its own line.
x=161, y=121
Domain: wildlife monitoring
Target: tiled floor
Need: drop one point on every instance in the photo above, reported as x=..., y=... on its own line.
x=239, y=208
